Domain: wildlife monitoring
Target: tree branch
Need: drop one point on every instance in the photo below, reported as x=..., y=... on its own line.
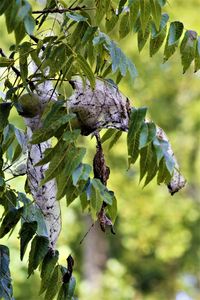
x=61, y=10
x=17, y=72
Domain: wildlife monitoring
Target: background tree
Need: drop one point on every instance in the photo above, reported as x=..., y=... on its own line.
x=57, y=59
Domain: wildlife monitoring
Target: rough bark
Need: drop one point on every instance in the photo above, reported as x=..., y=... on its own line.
x=45, y=195
x=103, y=107
x=106, y=107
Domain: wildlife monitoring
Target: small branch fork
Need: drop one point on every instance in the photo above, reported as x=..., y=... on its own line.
x=18, y=73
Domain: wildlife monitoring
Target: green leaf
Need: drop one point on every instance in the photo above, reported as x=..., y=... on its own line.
x=74, y=158
x=134, y=150
x=66, y=291
x=134, y=6
x=132, y=69
x=152, y=169
x=66, y=162
x=71, y=136
x=57, y=162
x=81, y=173
x=5, y=108
x=72, y=192
x=24, y=9
x=142, y=38
x=67, y=69
x=162, y=151
x=84, y=201
x=53, y=111
x=124, y=26
x=47, y=268
x=54, y=284
x=156, y=12
x=115, y=139
x=77, y=35
x=135, y=122
x=151, y=132
x=6, y=290
x=162, y=2
x=96, y=199
x=19, y=32
x=2, y=187
x=39, y=248
x=121, y=6
x=10, y=220
x=107, y=135
x=112, y=210
x=76, y=17
x=163, y=173
x=50, y=153
x=157, y=37
x=71, y=287
x=145, y=160
x=33, y=213
x=170, y=163
x=97, y=193
x=4, y=5
x=197, y=56
x=110, y=23
x=62, y=294
x=188, y=49
x=45, y=133
x=26, y=233
x=145, y=11
x=115, y=54
x=29, y=24
x=8, y=199
x=86, y=69
x=6, y=62
x=89, y=34
x=10, y=14
x=161, y=147
x=143, y=135
x=21, y=144
x=23, y=62
x=174, y=34
x=20, y=136
x=8, y=138
x=119, y=60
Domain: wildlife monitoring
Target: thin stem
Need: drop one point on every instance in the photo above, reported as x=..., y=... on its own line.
x=81, y=241
x=61, y=10
x=17, y=72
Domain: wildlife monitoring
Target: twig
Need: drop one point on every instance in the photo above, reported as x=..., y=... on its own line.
x=36, y=40
x=17, y=72
x=61, y=10
x=81, y=241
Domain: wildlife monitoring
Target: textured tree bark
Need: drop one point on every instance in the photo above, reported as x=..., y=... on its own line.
x=103, y=107
x=45, y=195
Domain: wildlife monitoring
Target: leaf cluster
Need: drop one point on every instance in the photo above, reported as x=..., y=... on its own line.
x=144, y=141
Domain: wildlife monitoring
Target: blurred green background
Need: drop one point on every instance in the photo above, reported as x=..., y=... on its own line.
x=155, y=254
